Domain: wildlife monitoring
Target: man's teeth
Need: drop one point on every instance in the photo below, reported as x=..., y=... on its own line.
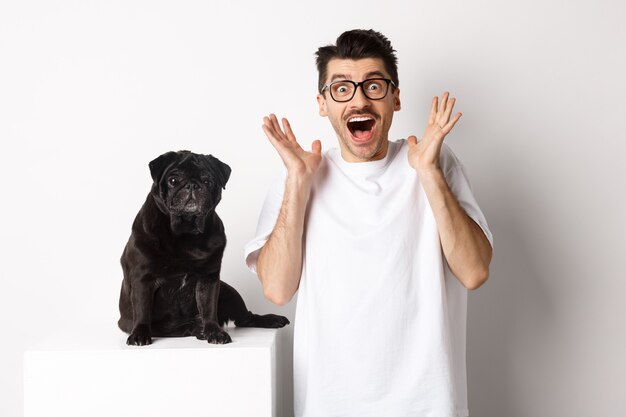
x=359, y=119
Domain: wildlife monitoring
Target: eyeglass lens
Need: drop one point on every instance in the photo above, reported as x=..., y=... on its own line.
x=374, y=89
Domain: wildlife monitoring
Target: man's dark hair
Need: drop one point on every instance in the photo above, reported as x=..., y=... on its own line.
x=358, y=44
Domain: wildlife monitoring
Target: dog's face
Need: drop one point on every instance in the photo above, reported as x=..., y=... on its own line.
x=187, y=187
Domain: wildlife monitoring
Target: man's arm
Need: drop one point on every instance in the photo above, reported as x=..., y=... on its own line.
x=464, y=244
x=279, y=264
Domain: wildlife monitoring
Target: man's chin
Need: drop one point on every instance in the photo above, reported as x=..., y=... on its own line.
x=363, y=151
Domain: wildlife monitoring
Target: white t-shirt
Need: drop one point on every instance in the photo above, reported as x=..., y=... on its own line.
x=380, y=319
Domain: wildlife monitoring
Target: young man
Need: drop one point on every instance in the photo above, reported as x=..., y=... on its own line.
x=380, y=239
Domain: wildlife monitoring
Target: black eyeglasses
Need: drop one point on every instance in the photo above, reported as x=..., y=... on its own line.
x=344, y=90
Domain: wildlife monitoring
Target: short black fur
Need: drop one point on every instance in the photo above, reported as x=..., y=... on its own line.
x=173, y=258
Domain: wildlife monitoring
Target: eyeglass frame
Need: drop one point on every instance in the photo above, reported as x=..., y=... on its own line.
x=356, y=87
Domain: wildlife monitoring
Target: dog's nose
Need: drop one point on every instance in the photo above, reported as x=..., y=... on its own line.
x=194, y=185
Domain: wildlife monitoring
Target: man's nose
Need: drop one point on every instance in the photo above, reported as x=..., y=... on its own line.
x=360, y=100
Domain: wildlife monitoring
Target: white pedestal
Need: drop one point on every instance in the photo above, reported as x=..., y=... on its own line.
x=93, y=376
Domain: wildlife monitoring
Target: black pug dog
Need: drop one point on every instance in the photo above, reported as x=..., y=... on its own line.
x=172, y=260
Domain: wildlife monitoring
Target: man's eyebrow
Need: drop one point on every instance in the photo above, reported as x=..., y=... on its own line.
x=336, y=77
x=375, y=74
x=371, y=74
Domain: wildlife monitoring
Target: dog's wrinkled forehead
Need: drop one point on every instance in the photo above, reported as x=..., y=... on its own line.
x=191, y=164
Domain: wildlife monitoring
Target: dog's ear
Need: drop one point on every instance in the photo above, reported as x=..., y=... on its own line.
x=219, y=169
x=158, y=165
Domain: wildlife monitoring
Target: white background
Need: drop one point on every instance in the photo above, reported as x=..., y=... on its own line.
x=90, y=92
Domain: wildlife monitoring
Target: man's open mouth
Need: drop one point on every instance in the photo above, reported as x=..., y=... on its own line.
x=361, y=127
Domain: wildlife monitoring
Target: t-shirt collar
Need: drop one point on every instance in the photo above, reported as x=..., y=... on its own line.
x=362, y=167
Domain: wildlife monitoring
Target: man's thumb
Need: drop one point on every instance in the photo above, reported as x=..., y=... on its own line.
x=412, y=140
x=316, y=147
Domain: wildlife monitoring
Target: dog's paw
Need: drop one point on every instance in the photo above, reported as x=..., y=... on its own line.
x=140, y=336
x=219, y=337
x=274, y=321
x=214, y=334
x=270, y=321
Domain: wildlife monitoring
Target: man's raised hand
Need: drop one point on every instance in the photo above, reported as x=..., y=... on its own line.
x=424, y=154
x=296, y=160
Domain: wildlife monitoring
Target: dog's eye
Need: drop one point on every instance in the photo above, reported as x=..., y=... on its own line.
x=173, y=180
x=207, y=182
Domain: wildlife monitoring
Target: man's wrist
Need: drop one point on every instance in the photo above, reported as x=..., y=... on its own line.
x=299, y=180
x=433, y=173
x=298, y=186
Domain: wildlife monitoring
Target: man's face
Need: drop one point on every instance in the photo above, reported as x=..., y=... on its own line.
x=360, y=140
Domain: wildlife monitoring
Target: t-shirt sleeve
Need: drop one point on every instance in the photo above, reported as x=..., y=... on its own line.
x=461, y=188
x=267, y=220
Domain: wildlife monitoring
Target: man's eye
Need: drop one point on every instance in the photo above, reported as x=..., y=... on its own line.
x=373, y=86
x=341, y=88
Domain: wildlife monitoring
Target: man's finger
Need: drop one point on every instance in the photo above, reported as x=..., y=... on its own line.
x=270, y=135
x=267, y=121
x=285, y=152
x=288, y=130
x=316, y=147
x=448, y=127
x=269, y=129
x=412, y=140
x=444, y=102
x=448, y=110
x=433, y=111
x=276, y=126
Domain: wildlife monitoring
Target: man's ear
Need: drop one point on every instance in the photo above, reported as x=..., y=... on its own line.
x=396, y=99
x=321, y=102
x=158, y=165
x=219, y=169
